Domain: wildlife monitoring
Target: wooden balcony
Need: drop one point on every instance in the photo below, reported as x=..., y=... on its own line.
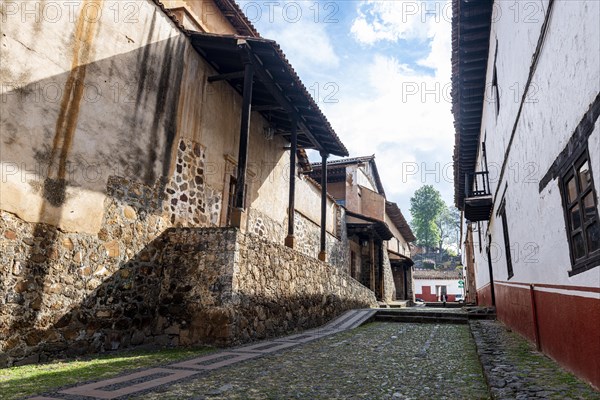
x=478, y=197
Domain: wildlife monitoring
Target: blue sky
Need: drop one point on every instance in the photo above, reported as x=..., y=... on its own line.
x=380, y=71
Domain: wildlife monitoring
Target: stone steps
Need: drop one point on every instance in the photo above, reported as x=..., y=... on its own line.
x=420, y=319
x=429, y=316
x=439, y=304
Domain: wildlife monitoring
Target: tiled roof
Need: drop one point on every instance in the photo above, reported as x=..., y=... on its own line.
x=230, y=10
x=436, y=274
x=393, y=211
x=471, y=22
x=353, y=160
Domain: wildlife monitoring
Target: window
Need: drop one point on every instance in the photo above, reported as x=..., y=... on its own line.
x=509, y=266
x=581, y=214
x=496, y=93
x=231, y=198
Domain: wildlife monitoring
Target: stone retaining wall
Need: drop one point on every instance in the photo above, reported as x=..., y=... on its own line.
x=281, y=290
x=185, y=286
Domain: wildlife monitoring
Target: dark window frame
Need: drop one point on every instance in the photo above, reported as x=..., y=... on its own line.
x=509, y=266
x=570, y=171
x=231, y=198
x=479, y=234
x=495, y=82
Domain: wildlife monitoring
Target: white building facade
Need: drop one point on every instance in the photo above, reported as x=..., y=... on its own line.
x=430, y=285
x=526, y=92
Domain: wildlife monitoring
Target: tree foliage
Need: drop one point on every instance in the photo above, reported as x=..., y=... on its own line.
x=425, y=207
x=448, y=225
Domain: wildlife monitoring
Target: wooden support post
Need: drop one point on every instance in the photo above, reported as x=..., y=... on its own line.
x=323, y=250
x=290, y=240
x=240, y=189
x=405, y=276
x=491, y=272
x=372, y=262
x=536, y=325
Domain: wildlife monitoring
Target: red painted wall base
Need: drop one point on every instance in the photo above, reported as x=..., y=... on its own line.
x=569, y=325
x=484, y=296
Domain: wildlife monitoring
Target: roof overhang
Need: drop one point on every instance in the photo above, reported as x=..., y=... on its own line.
x=393, y=211
x=397, y=258
x=334, y=166
x=361, y=224
x=278, y=93
x=471, y=22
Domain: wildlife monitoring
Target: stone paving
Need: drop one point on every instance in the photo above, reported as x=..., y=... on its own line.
x=515, y=370
x=374, y=361
x=143, y=381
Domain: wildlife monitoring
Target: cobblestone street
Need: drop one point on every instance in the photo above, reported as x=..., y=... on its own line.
x=376, y=361
x=478, y=359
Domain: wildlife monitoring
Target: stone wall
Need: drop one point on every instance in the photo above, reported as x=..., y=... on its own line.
x=264, y=226
x=281, y=290
x=307, y=234
x=73, y=294
x=54, y=282
x=389, y=286
x=338, y=248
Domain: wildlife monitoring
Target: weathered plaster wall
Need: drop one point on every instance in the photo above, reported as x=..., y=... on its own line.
x=564, y=85
x=77, y=108
x=308, y=202
x=397, y=243
x=562, y=90
x=205, y=13
x=116, y=105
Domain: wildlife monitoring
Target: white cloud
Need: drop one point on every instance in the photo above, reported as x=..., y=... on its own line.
x=394, y=20
x=386, y=106
x=308, y=46
x=302, y=37
x=406, y=121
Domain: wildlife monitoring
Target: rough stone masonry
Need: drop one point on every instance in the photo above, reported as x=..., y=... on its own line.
x=186, y=286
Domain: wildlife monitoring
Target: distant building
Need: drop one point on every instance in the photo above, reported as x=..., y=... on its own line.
x=379, y=236
x=526, y=92
x=431, y=285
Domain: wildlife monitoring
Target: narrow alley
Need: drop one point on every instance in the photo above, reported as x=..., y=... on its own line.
x=453, y=356
x=325, y=199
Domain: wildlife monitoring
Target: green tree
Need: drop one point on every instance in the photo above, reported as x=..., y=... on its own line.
x=425, y=206
x=448, y=225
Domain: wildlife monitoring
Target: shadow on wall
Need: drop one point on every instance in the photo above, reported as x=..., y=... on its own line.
x=109, y=127
x=176, y=291
x=67, y=166
x=167, y=294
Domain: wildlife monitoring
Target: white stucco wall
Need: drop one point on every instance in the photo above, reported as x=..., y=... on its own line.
x=565, y=83
x=451, y=285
